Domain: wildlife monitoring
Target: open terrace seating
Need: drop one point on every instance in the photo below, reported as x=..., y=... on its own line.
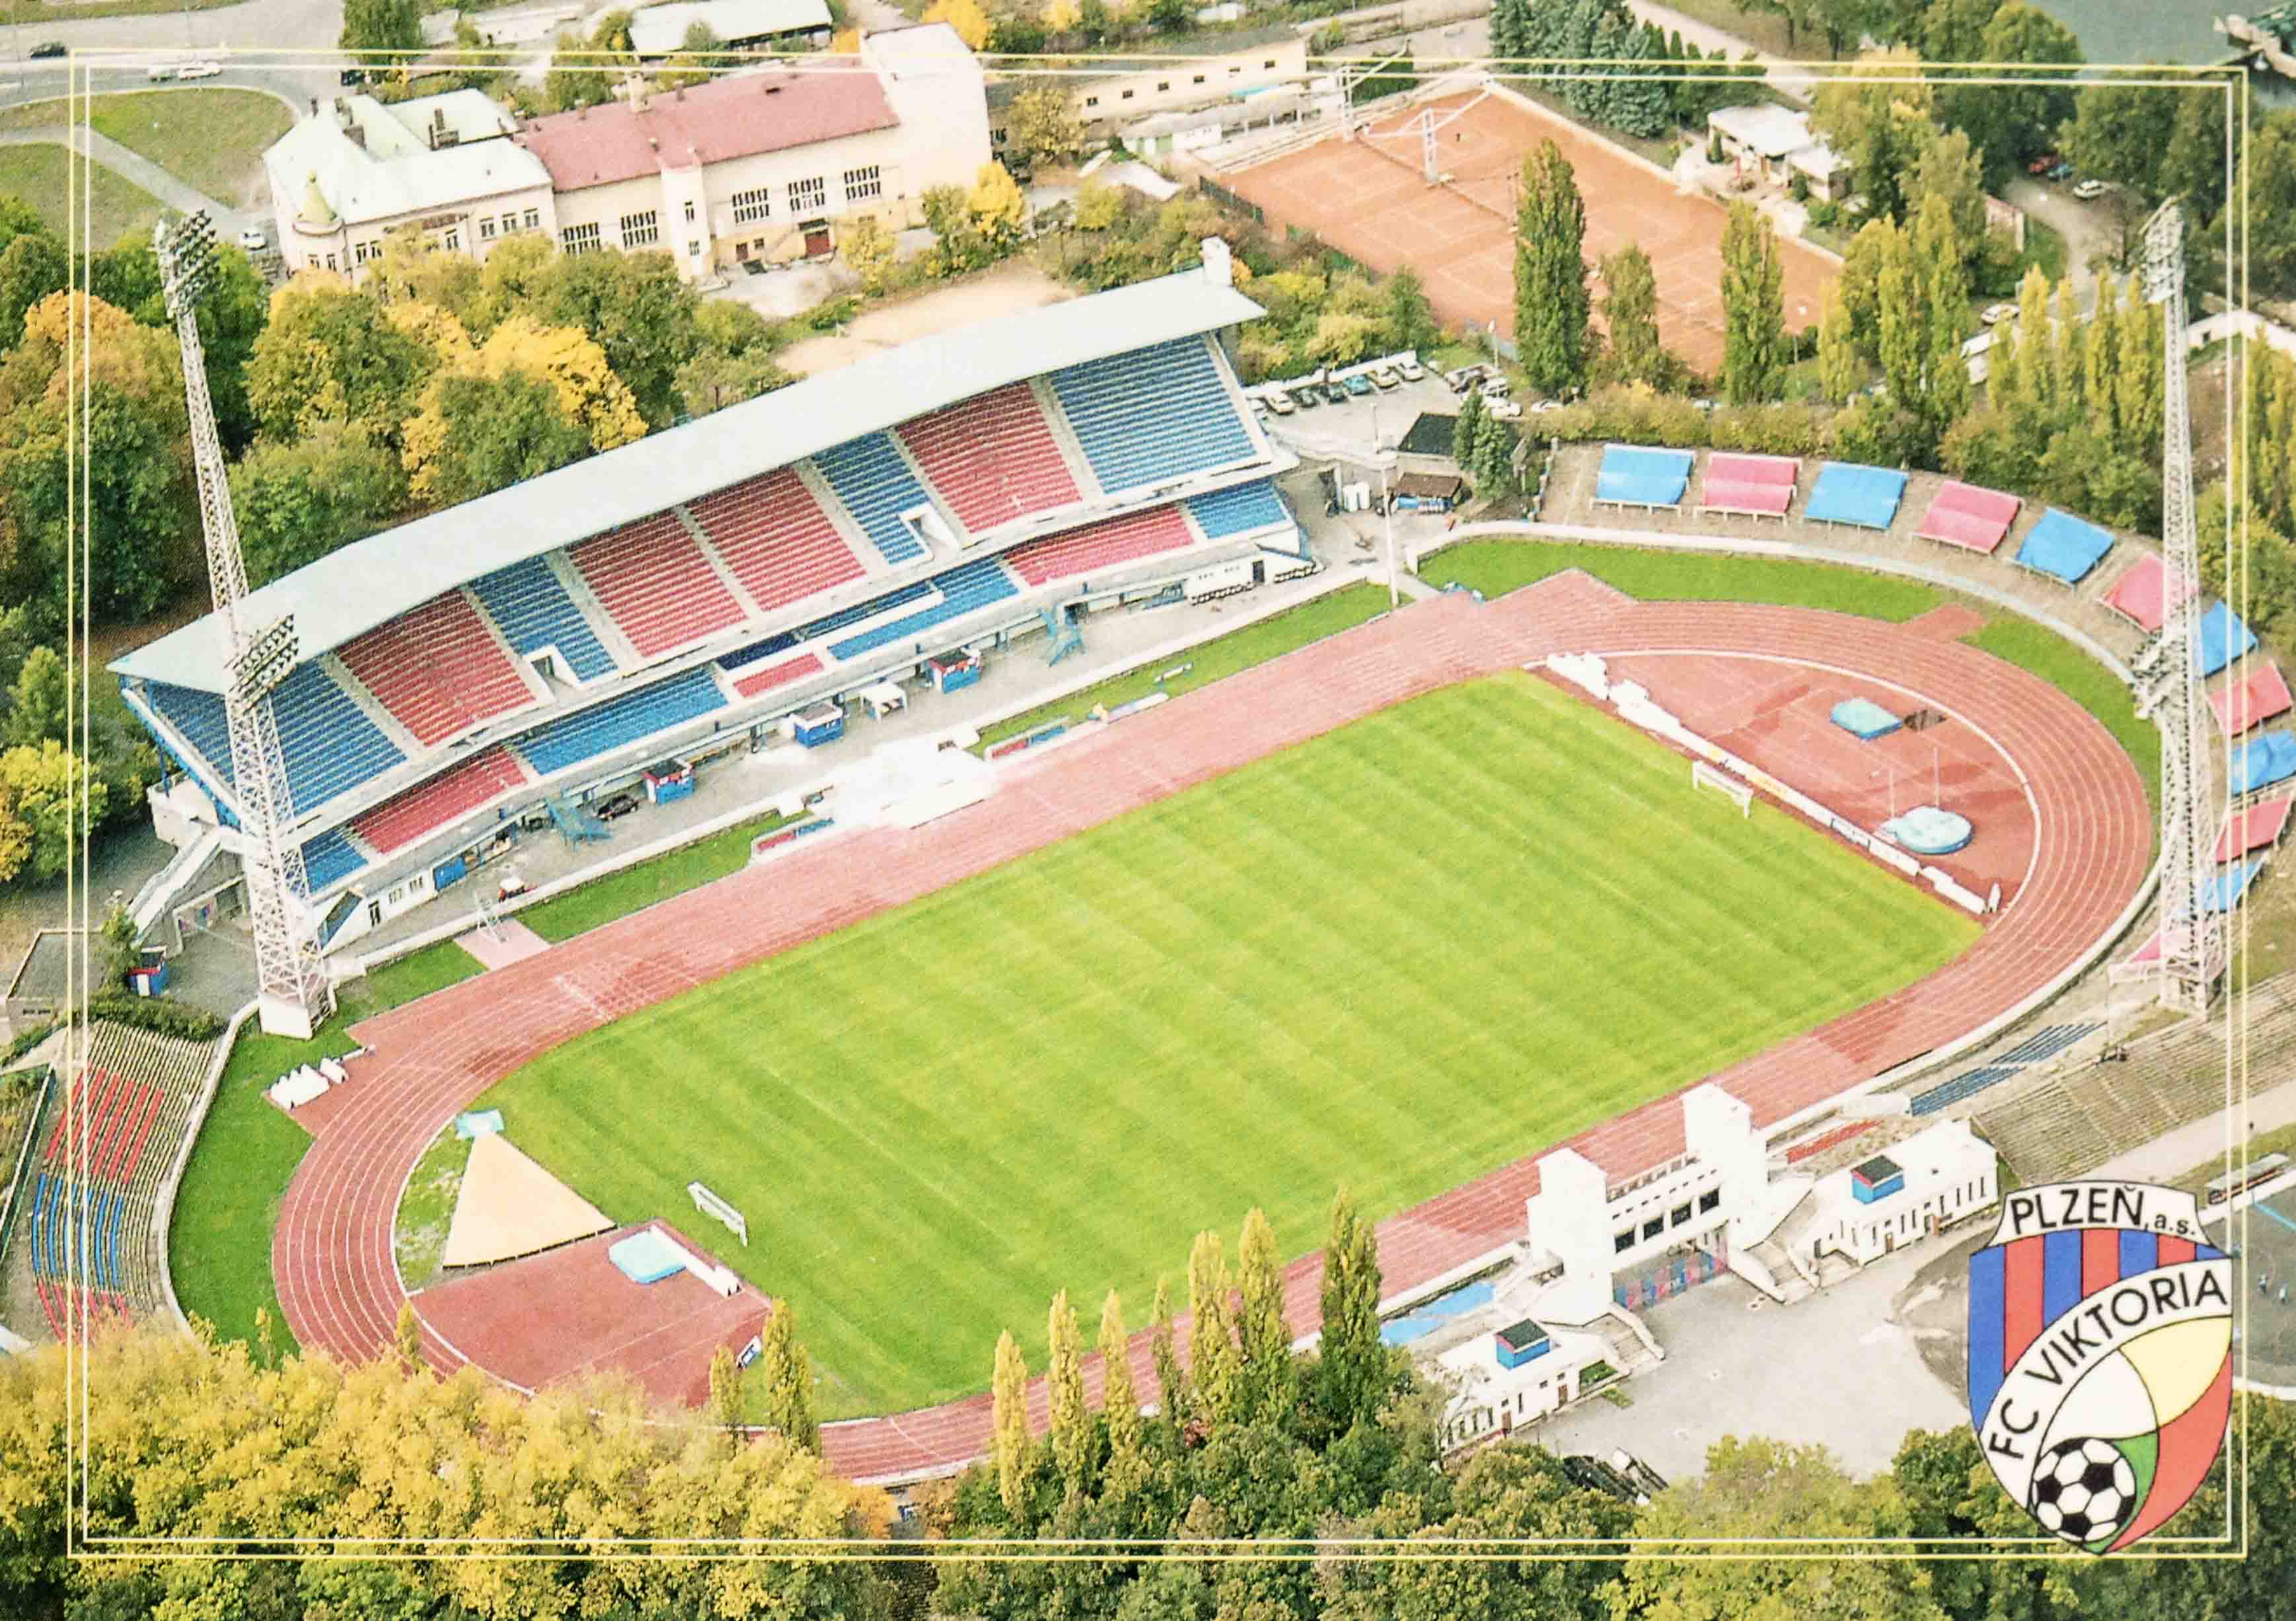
x=1966, y=1084
x=2141, y=595
x=1851, y=493
x=1759, y=486
x=2249, y=704
x=437, y=670
x=2227, y=884
x=2261, y=762
x=402, y=819
x=1965, y=516
x=774, y=537
x=1154, y=415
x=2225, y=640
x=653, y=578
x=2065, y=548
x=534, y=611
x=1238, y=510
x=992, y=458
x=1632, y=476
x=1110, y=544
x=2257, y=827
x=869, y=476
x=961, y=590
x=621, y=720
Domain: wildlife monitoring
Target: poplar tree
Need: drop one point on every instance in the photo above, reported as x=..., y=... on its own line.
x=725, y=1389
x=1642, y=103
x=2137, y=387
x=406, y=1334
x=1494, y=444
x=1120, y=1404
x=1171, y=1383
x=1633, y=351
x=1936, y=246
x=1072, y=1425
x=1009, y=1423
x=1753, y=309
x=1265, y=1334
x=787, y=1372
x=1352, y=1361
x=1212, y=1361
x=1904, y=337
x=2064, y=351
x=1840, y=366
x=1551, y=300
x=1511, y=29
x=1464, y=427
x=2101, y=363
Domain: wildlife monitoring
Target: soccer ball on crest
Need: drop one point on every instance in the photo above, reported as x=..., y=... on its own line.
x=2084, y=1491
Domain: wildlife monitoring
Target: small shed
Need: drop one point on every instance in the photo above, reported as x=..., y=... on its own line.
x=1876, y=1178
x=885, y=698
x=668, y=780
x=1520, y=1343
x=824, y=722
x=952, y=672
x=1428, y=491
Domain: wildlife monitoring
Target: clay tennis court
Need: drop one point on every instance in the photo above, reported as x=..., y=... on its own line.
x=1367, y=199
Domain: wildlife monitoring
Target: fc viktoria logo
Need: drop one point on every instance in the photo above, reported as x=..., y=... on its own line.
x=2100, y=1356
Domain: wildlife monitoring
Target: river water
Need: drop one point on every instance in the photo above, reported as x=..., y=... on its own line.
x=2161, y=31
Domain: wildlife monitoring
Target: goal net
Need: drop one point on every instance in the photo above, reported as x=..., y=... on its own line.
x=1705, y=776
x=709, y=1204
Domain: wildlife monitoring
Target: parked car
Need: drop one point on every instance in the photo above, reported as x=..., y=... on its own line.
x=354, y=76
x=618, y=806
x=2090, y=191
x=1465, y=377
x=1413, y=372
x=1279, y=402
x=1335, y=393
x=1307, y=399
x=2043, y=164
x=2061, y=171
x=1547, y=405
x=1501, y=406
x=1358, y=384
x=47, y=48
x=1496, y=388
x=253, y=241
x=199, y=70
x=1993, y=315
x=1384, y=378
x=159, y=71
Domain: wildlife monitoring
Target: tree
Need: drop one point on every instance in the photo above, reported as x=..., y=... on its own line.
x=867, y=249
x=479, y=432
x=382, y=33
x=328, y=353
x=1551, y=300
x=1341, y=338
x=577, y=77
x=1212, y=1359
x=1753, y=309
x=1352, y=1360
x=2101, y=362
x=407, y=1338
x=1632, y=352
x=1465, y=428
x=786, y=1372
x=1039, y=125
x=1946, y=295
x=1172, y=1381
x=2010, y=122
x=965, y=16
x=49, y=790
x=2064, y=351
x=15, y=837
x=1841, y=368
x=1954, y=30
x=414, y=269
x=637, y=309
x=1641, y=103
x=713, y=380
x=1876, y=243
x=1071, y=1424
x=40, y=703
x=2120, y=132
x=2267, y=178
x=32, y=266
x=1059, y=16
x=698, y=51
x=1904, y=330
x=998, y=211
x=1948, y=169
x=300, y=500
x=1494, y=465
x=1263, y=1334
x=588, y=392
x=1878, y=122
x=1098, y=205
x=1120, y=1404
x=1511, y=24
x=1009, y=1424
x=1410, y=318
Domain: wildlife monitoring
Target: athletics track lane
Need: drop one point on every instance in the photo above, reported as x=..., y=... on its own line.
x=331, y=1252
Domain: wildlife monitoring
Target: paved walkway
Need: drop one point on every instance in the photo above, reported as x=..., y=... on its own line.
x=2169, y=1157
x=1781, y=77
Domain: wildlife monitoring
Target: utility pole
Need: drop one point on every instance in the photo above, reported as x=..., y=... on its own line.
x=293, y=995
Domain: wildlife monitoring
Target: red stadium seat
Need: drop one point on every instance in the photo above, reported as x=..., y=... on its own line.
x=993, y=459
x=654, y=581
x=399, y=822
x=1100, y=545
x=774, y=537
x=437, y=670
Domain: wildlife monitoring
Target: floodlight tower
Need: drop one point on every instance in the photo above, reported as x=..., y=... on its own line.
x=2192, y=939
x=293, y=995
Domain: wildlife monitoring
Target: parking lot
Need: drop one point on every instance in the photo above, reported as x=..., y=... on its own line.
x=1360, y=424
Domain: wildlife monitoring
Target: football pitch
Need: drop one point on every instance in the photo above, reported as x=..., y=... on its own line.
x=1395, y=957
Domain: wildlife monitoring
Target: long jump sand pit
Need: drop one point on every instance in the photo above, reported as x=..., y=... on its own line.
x=1367, y=198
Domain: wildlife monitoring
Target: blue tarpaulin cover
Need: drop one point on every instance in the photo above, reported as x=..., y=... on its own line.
x=2225, y=889
x=2064, y=546
x=1864, y=719
x=1643, y=477
x=2262, y=761
x=646, y=1256
x=1928, y=830
x=485, y=1123
x=1849, y=492
x=2223, y=639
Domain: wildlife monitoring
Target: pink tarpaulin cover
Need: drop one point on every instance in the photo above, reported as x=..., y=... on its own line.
x=2254, y=828
x=2252, y=702
x=1750, y=483
x=1965, y=516
x=2141, y=595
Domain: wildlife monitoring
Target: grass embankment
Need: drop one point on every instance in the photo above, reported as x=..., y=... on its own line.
x=1393, y=957
x=211, y=139
x=43, y=176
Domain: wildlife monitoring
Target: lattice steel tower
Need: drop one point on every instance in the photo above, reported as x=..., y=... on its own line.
x=2192, y=939
x=293, y=995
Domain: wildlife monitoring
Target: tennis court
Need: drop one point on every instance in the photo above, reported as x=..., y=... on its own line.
x=1368, y=198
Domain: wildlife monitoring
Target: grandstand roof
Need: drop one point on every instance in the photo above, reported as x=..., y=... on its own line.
x=376, y=580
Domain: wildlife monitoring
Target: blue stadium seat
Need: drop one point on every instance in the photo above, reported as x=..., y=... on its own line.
x=876, y=486
x=917, y=591
x=40, y=1227
x=330, y=858
x=1966, y=1084
x=1153, y=414
x=2046, y=1042
x=1232, y=512
x=329, y=743
x=976, y=585
x=535, y=612
x=623, y=720
x=758, y=652
x=199, y=716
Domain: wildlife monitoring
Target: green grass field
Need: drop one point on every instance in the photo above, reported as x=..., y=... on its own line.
x=1398, y=956
x=43, y=176
x=208, y=137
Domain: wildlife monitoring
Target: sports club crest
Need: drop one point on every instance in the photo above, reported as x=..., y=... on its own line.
x=2100, y=1356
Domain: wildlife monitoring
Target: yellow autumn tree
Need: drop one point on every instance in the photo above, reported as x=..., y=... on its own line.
x=571, y=361
x=965, y=16
x=439, y=330
x=998, y=210
x=91, y=341
x=1059, y=16
x=846, y=41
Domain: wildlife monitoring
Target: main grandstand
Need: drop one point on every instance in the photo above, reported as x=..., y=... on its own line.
x=503, y=659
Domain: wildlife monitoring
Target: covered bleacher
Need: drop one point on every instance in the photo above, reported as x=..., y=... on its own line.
x=2064, y=547
x=2262, y=761
x=1863, y=497
x=437, y=670
x=2141, y=595
x=771, y=676
x=534, y=611
x=1109, y=544
x=776, y=537
x=1759, y=486
x=1238, y=510
x=657, y=585
x=2223, y=639
x=1631, y=475
x=961, y=590
x=869, y=476
x=329, y=743
x=1974, y=519
x=331, y=858
x=400, y=820
x=1151, y=415
x=621, y=720
x=2256, y=827
x=993, y=459
x=2250, y=703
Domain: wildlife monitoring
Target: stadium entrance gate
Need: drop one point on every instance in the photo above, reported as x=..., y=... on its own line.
x=1670, y=1275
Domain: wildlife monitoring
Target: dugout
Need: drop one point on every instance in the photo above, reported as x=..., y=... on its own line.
x=824, y=722
x=668, y=779
x=955, y=671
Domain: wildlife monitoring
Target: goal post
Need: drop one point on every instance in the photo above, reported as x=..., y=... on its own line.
x=1705, y=776
x=709, y=1204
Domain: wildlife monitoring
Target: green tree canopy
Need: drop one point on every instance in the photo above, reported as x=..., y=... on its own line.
x=1551, y=299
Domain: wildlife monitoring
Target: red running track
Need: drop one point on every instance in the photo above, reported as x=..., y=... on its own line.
x=330, y=1253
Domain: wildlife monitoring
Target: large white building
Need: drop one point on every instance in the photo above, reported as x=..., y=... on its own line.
x=765, y=166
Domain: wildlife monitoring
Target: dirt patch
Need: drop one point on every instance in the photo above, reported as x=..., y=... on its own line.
x=1005, y=290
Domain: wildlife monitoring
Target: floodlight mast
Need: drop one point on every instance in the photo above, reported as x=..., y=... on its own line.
x=2192, y=935
x=293, y=995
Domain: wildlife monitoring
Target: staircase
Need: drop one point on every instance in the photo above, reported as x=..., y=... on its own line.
x=576, y=822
